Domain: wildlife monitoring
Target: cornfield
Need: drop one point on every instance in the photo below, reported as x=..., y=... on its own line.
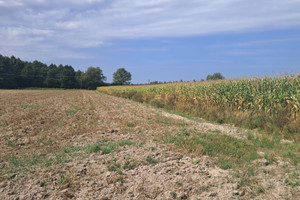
x=265, y=101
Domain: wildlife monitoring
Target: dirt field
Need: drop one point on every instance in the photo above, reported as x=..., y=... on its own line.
x=72, y=144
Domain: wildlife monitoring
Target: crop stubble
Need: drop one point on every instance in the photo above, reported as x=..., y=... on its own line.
x=106, y=147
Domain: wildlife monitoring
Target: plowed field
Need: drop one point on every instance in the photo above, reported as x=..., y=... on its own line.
x=76, y=144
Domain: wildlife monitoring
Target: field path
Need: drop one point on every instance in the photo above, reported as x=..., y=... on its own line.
x=77, y=144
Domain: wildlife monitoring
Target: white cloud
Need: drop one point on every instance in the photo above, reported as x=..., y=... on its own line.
x=257, y=42
x=79, y=23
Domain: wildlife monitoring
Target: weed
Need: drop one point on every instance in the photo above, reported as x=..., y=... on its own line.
x=125, y=142
x=113, y=165
x=269, y=158
x=130, y=124
x=260, y=189
x=64, y=180
x=216, y=131
x=93, y=148
x=250, y=171
x=225, y=163
x=108, y=148
x=140, y=145
x=173, y=194
x=195, y=162
x=202, y=189
x=73, y=111
x=164, y=120
x=119, y=171
x=29, y=106
x=244, y=182
x=153, y=148
x=9, y=142
x=129, y=164
x=293, y=179
x=293, y=157
x=151, y=160
x=185, y=133
x=61, y=158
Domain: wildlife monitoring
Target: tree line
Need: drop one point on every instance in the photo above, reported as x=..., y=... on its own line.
x=213, y=77
x=15, y=73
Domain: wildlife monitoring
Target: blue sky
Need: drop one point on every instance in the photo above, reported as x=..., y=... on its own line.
x=163, y=40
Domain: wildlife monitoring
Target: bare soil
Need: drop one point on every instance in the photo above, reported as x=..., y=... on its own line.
x=46, y=123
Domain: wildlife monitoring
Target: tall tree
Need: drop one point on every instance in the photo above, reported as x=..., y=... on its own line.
x=79, y=78
x=121, y=77
x=67, y=76
x=52, y=79
x=34, y=74
x=17, y=66
x=93, y=78
x=6, y=73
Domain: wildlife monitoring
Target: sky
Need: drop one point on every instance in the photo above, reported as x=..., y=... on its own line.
x=156, y=40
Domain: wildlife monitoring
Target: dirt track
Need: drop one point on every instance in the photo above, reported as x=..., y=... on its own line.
x=138, y=166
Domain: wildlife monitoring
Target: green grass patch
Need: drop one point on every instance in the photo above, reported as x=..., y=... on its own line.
x=173, y=194
x=151, y=160
x=129, y=164
x=113, y=165
x=109, y=147
x=29, y=106
x=130, y=124
x=195, y=162
x=232, y=152
x=93, y=148
x=293, y=179
x=63, y=155
x=73, y=111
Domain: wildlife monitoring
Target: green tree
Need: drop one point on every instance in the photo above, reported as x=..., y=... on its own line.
x=6, y=76
x=93, y=78
x=121, y=77
x=52, y=80
x=16, y=66
x=79, y=78
x=67, y=76
x=215, y=76
x=34, y=74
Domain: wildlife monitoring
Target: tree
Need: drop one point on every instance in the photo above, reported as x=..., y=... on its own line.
x=79, y=78
x=67, y=76
x=6, y=73
x=15, y=73
x=52, y=80
x=34, y=74
x=121, y=77
x=215, y=76
x=93, y=78
x=16, y=66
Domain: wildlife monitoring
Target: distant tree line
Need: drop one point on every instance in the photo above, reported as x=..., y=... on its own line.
x=215, y=76
x=15, y=73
